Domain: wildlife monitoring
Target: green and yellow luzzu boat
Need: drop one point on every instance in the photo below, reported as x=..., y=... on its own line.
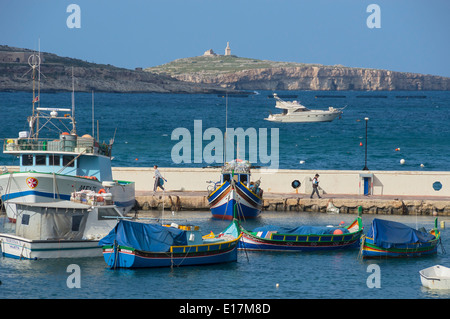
x=389, y=239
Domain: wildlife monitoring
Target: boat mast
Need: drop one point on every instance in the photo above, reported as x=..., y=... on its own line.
x=74, y=130
x=34, y=61
x=226, y=125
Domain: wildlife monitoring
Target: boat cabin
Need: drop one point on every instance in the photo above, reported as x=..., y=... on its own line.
x=68, y=155
x=238, y=177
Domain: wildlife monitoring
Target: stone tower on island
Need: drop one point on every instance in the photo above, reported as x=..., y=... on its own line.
x=227, y=49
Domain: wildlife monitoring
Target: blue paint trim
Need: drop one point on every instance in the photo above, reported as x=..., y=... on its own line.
x=36, y=193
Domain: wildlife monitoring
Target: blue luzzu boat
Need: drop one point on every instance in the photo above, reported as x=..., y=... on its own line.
x=134, y=244
x=235, y=190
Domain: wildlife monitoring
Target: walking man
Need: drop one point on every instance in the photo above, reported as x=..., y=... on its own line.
x=158, y=180
x=315, y=185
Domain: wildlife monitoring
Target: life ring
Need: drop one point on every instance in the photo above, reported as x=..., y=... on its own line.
x=296, y=184
x=102, y=191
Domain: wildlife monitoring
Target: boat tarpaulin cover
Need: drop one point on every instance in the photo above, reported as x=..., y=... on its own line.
x=301, y=230
x=386, y=233
x=145, y=237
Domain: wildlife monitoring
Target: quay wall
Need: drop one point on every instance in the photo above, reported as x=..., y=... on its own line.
x=391, y=192
x=383, y=183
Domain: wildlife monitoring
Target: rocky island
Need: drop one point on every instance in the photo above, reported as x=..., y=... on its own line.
x=209, y=73
x=240, y=73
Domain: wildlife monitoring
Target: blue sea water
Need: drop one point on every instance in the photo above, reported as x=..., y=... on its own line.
x=143, y=124
x=310, y=275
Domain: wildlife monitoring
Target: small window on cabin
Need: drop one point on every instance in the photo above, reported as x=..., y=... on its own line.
x=54, y=160
x=68, y=159
x=76, y=222
x=25, y=219
x=243, y=178
x=41, y=160
x=27, y=160
x=226, y=177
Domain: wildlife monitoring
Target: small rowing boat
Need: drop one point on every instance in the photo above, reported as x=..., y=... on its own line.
x=436, y=277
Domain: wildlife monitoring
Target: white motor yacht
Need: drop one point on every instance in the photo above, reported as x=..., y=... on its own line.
x=295, y=112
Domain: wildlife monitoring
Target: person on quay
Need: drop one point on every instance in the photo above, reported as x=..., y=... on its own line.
x=158, y=180
x=315, y=185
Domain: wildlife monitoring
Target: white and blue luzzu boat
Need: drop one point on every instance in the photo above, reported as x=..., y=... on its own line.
x=53, y=168
x=235, y=196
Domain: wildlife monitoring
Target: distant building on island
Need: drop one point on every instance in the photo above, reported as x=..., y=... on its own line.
x=16, y=57
x=210, y=52
x=227, y=49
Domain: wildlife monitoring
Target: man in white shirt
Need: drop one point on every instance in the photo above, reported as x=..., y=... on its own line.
x=158, y=179
x=315, y=185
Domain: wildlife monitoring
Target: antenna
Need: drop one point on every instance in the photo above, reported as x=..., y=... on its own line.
x=93, y=133
x=39, y=72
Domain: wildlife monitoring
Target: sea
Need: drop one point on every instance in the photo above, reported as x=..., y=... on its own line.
x=150, y=129
x=412, y=126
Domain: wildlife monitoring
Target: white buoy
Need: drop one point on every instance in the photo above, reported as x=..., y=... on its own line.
x=302, y=162
x=277, y=285
x=402, y=161
x=421, y=165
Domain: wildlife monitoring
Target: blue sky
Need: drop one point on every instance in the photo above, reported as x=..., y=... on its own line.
x=414, y=35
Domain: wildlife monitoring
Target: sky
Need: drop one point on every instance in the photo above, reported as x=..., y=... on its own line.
x=413, y=35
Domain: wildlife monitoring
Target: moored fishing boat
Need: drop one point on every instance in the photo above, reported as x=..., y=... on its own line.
x=51, y=166
x=302, y=238
x=63, y=229
x=390, y=239
x=234, y=188
x=134, y=244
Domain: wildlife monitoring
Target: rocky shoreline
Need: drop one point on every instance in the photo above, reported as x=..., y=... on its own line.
x=287, y=203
